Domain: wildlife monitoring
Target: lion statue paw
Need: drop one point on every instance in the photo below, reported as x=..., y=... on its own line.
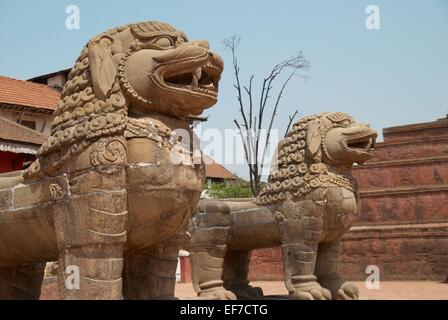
x=310, y=291
x=217, y=294
x=339, y=288
x=348, y=291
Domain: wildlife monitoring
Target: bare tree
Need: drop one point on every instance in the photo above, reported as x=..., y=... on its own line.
x=253, y=110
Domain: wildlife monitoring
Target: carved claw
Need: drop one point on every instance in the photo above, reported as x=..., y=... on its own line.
x=340, y=289
x=348, y=291
x=311, y=291
x=218, y=294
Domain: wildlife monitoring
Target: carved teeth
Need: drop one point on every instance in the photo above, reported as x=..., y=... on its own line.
x=198, y=73
x=208, y=86
x=194, y=82
x=371, y=146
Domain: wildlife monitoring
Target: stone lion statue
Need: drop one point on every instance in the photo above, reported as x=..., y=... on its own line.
x=305, y=208
x=106, y=196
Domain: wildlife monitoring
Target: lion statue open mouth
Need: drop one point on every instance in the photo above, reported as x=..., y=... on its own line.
x=104, y=197
x=305, y=208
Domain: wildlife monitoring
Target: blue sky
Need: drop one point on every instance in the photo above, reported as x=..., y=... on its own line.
x=392, y=76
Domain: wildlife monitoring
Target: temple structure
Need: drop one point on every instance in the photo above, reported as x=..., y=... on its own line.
x=403, y=213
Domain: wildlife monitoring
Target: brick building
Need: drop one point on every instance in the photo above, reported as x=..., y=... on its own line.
x=217, y=173
x=403, y=212
x=27, y=103
x=56, y=80
x=18, y=145
x=26, y=111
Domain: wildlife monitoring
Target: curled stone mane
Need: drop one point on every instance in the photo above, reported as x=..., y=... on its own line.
x=300, y=168
x=82, y=117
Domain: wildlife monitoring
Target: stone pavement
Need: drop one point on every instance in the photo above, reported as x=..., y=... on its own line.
x=389, y=290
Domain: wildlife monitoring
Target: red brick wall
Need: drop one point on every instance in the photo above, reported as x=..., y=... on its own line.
x=185, y=269
x=409, y=208
x=266, y=264
x=416, y=255
x=403, y=258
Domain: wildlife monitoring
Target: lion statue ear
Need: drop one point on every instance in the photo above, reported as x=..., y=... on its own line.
x=102, y=66
x=313, y=139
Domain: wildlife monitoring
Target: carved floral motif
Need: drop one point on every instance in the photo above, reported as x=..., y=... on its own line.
x=108, y=151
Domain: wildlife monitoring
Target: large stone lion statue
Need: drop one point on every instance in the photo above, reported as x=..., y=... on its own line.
x=111, y=192
x=305, y=208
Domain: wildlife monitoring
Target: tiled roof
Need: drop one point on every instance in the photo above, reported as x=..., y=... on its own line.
x=26, y=93
x=12, y=131
x=215, y=170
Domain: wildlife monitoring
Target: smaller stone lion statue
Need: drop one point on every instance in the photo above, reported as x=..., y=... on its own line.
x=305, y=208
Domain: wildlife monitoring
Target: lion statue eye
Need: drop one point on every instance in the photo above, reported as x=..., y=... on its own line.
x=164, y=42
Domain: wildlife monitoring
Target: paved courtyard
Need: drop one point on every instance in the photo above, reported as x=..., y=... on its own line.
x=389, y=290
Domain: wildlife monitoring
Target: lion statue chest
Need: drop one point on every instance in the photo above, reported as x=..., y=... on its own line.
x=331, y=211
x=164, y=180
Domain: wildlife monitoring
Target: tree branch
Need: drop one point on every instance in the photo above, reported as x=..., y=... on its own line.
x=253, y=123
x=247, y=156
x=291, y=119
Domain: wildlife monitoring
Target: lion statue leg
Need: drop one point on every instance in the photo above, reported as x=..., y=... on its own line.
x=98, y=259
x=208, y=247
x=327, y=276
x=150, y=274
x=91, y=225
x=299, y=249
x=236, y=269
x=22, y=282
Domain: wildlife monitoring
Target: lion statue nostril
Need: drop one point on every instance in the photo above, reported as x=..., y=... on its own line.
x=202, y=43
